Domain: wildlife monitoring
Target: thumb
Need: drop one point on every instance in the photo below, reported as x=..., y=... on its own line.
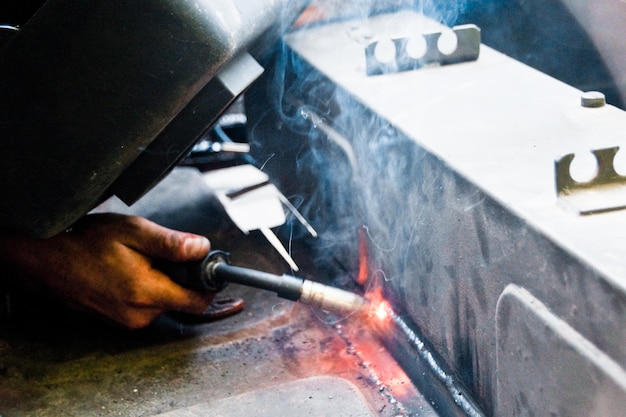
x=194, y=246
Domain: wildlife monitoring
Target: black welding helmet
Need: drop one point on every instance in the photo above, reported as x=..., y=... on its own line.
x=102, y=98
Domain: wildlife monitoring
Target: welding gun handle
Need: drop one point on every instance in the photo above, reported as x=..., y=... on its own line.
x=285, y=286
x=195, y=275
x=215, y=271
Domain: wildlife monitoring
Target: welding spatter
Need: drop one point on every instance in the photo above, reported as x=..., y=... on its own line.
x=214, y=272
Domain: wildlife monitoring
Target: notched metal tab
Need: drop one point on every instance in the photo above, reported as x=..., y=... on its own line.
x=605, y=192
x=467, y=49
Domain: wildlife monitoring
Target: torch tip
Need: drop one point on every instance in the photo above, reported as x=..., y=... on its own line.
x=332, y=299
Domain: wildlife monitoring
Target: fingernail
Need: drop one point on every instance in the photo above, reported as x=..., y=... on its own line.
x=196, y=246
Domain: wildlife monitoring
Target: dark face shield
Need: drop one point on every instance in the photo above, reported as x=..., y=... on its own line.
x=103, y=98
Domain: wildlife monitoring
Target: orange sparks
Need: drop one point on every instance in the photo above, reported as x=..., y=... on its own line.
x=364, y=272
x=379, y=308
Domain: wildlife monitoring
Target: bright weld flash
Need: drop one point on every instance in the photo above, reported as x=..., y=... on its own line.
x=381, y=311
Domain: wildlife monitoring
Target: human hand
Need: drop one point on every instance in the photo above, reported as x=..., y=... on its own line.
x=105, y=264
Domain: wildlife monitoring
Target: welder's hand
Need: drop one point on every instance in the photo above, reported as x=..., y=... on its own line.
x=104, y=263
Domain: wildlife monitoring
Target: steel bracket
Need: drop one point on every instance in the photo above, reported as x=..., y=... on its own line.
x=605, y=192
x=467, y=49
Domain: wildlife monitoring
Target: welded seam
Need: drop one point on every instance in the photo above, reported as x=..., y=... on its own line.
x=382, y=388
x=457, y=394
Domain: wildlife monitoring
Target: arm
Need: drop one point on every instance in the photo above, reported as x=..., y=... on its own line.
x=104, y=264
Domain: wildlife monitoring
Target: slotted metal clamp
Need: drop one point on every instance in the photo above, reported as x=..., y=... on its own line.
x=606, y=191
x=405, y=58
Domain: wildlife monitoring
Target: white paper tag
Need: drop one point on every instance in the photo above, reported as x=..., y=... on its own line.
x=248, y=197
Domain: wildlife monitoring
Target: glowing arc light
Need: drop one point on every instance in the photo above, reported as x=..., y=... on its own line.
x=382, y=311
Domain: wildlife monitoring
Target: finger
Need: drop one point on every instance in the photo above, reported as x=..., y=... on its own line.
x=170, y=296
x=157, y=241
x=136, y=318
x=187, y=301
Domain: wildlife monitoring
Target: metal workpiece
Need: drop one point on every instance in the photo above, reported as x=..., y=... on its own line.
x=605, y=191
x=404, y=54
x=526, y=327
x=456, y=187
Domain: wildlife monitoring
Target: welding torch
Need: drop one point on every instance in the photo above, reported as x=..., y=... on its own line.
x=214, y=272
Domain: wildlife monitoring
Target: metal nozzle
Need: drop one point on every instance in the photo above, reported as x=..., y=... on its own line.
x=331, y=298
